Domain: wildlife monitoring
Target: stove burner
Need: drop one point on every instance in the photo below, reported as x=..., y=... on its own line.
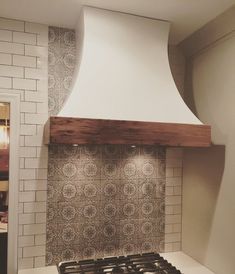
x=147, y=263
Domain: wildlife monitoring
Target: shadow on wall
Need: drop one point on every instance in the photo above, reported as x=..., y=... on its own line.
x=202, y=176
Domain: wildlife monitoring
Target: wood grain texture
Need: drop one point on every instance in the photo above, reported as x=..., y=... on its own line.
x=63, y=130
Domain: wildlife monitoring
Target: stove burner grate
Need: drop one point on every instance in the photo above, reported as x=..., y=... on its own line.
x=147, y=263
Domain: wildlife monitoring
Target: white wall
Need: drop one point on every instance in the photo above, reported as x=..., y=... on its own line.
x=23, y=70
x=208, y=178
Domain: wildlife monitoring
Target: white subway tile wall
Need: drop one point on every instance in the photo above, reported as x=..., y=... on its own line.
x=24, y=69
x=173, y=199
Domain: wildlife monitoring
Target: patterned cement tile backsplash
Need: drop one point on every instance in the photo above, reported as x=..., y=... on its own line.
x=104, y=201
x=61, y=64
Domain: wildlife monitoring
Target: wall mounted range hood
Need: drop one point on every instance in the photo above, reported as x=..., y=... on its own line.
x=123, y=90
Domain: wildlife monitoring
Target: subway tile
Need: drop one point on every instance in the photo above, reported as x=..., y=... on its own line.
x=40, y=239
x=20, y=208
x=34, y=73
x=36, y=163
x=25, y=241
x=168, y=247
x=21, y=183
x=9, y=24
x=173, y=200
x=41, y=217
x=42, y=151
x=5, y=35
x=174, y=181
x=32, y=96
x=177, y=190
x=27, y=173
x=176, y=246
x=29, y=107
x=34, y=251
x=35, y=51
x=11, y=71
x=169, y=209
x=168, y=228
x=41, y=173
x=36, y=28
x=41, y=196
x=25, y=263
x=24, y=61
x=14, y=48
x=24, y=84
x=25, y=38
x=5, y=59
x=5, y=82
x=28, y=218
x=22, y=144
x=20, y=230
x=169, y=190
x=28, y=196
x=39, y=261
x=177, y=172
x=42, y=85
x=34, y=229
x=37, y=119
x=177, y=209
x=28, y=152
x=34, y=207
x=173, y=219
x=35, y=185
x=42, y=107
x=42, y=39
x=177, y=228
x=28, y=129
x=169, y=172
x=172, y=237
x=33, y=141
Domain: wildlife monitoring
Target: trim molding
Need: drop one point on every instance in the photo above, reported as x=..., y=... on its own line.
x=14, y=101
x=217, y=29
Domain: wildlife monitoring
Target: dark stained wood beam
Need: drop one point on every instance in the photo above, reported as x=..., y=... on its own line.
x=65, y=130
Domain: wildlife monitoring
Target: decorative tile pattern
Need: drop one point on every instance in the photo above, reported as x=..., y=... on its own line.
x=104, y=201
x=61, y=64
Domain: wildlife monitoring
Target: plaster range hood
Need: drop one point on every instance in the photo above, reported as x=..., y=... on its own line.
x=123, y=90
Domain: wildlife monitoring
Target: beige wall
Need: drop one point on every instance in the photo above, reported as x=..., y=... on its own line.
x=208, y=178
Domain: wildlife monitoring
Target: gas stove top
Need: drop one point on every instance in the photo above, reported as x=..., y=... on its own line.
x=146, y=263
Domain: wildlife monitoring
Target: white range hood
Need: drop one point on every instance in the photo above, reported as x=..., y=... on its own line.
x=123, y=71
x=123, y=74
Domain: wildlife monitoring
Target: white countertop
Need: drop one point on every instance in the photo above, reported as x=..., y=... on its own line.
x=41, y=270
x=183, y=262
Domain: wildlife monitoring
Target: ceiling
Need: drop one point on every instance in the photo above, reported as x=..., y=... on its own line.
x=186, y=15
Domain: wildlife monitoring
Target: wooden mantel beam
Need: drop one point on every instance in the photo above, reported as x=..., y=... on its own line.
x=65, y=130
